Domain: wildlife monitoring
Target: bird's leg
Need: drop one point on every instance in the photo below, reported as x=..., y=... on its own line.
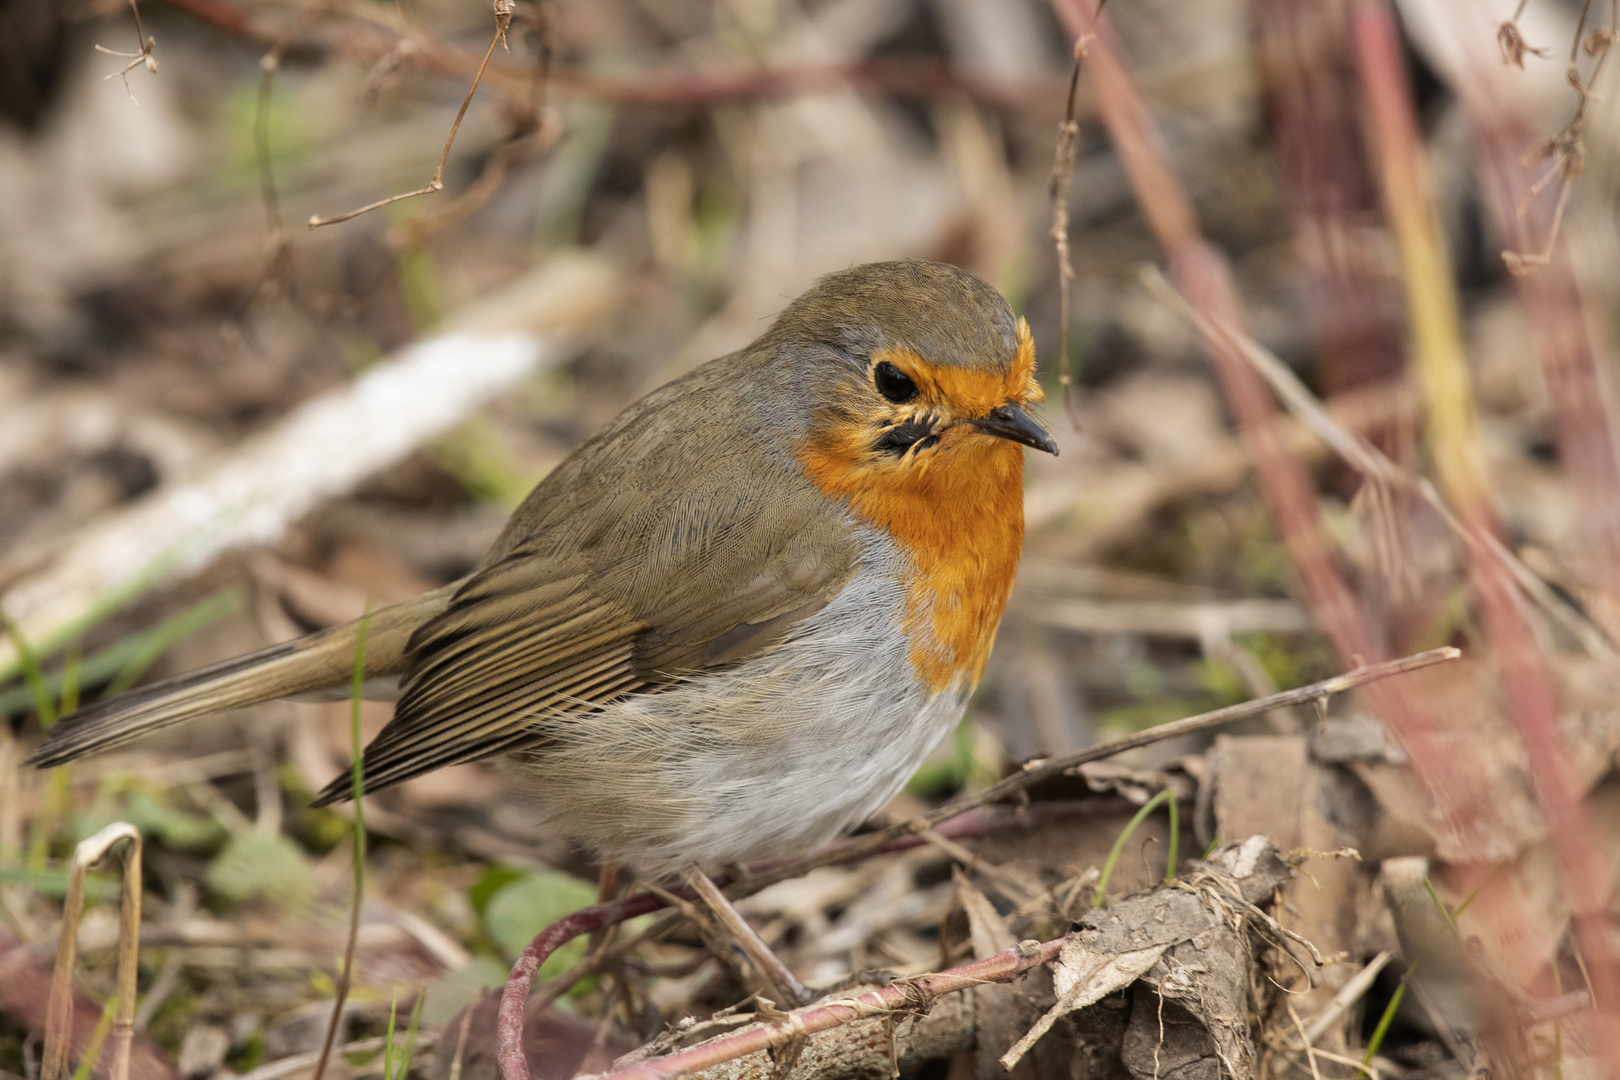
x=784, y=981
x=607, y=889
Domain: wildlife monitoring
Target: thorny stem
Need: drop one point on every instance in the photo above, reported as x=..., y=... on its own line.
x=509, y=1018
x=503, y=17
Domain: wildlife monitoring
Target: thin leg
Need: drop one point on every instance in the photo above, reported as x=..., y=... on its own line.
x=607, y=889
x=783, y=980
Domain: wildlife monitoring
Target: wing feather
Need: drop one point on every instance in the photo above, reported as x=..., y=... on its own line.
x=654, y=551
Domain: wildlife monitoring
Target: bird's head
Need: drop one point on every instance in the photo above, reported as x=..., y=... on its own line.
x=920, y=369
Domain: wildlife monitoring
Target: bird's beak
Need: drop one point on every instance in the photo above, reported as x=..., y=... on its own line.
x=1012, y=422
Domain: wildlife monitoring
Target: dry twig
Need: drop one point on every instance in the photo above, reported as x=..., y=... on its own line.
x=141, y=58
x=1565, y=152
x=503, y=18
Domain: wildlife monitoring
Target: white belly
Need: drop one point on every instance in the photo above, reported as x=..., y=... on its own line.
x=787, y=749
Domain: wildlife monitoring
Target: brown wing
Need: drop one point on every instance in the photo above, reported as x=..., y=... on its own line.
x=644, y=556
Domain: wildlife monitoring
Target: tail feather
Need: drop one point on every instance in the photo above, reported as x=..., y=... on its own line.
x=313, y=663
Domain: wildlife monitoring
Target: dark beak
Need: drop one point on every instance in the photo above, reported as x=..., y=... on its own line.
x=1012, y=422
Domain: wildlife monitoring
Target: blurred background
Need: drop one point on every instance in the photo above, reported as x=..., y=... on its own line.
x=165, y=315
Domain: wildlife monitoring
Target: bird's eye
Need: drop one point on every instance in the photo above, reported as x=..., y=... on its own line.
x=893, y=383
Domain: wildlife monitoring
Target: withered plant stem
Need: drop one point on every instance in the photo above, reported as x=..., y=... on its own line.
x=59, y=1006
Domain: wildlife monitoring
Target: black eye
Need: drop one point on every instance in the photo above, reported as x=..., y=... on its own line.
x=893, y=383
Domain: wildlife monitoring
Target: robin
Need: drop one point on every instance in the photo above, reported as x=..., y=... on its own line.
x=734, y=621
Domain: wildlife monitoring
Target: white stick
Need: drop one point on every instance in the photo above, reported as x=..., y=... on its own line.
x=252, y=492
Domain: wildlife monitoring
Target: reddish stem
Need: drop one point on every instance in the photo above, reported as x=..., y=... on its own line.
x=924, y=989
x=1204, y=277
x=924, y=78
x=1532, y=703
x=509, y=1018
x=515, y=995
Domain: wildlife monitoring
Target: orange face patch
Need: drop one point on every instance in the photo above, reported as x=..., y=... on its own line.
x=966, y=392
x=957, y=508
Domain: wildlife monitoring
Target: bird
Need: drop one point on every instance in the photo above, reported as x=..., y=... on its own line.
x=733, y=622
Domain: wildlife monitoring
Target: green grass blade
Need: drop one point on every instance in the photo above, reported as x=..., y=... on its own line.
x=1445, y=912
x=1119, y=845
x=357, y=788
x=410, y=1037
x=92, y=1052
x=38, y=688
x=116, y=598
x=388, y=1039
x=1174, y=859
x=169, y=633
x=1387, y=1019
x=1471, y=897
x=68, y=683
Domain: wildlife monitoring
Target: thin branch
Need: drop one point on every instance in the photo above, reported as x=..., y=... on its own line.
x=1048, y=768
x=503, y=17
x=532, y=135
x=141, y=58
x=1565, y=152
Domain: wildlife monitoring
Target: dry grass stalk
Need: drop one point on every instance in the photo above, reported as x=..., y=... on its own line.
x=59, y=1009
x=297, y=1063
x=1058, y=193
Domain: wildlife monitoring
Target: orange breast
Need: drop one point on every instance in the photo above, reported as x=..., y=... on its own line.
x=958, y=512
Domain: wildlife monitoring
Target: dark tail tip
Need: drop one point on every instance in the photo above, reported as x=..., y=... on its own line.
x=339, y=790
x=65, y=741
